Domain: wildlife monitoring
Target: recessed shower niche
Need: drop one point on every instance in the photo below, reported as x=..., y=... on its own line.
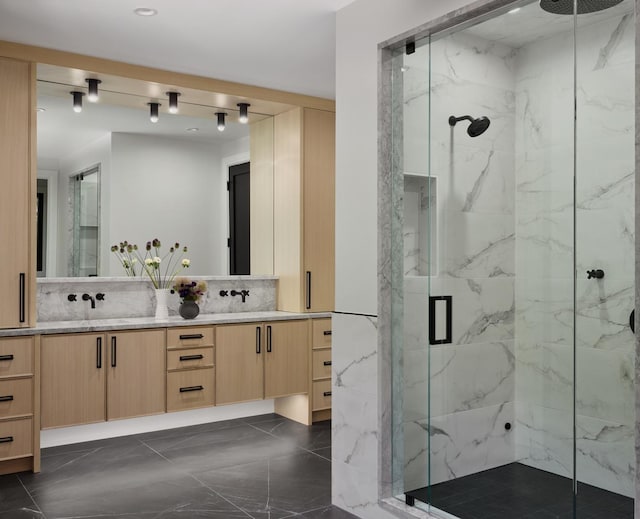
x=420, y=220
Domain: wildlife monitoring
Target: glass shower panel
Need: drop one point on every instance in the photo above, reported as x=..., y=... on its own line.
x=605, y=259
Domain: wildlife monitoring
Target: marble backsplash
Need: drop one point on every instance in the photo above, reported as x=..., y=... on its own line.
x=134, y=297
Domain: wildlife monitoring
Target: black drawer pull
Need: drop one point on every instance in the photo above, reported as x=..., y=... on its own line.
x=191, y=336
x=114, y=351
x=191, y=357
x=327, y=332
x=6, y=439
x=191, y=388
x=327, y=393
x=7, y=398
x=258, y=340
x=98, y=352
x=268, y=339
x=6, y=357
x=327, y=363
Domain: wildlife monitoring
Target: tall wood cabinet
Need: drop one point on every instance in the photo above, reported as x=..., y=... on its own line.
x=17, y=208
x=300, y=194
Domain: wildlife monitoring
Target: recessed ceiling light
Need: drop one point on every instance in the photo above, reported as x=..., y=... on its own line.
x=514, y=10
x=41, y=109
x=145, y=11
x=193, y=129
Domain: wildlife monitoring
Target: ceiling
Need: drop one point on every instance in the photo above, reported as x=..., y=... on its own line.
x=281, y=44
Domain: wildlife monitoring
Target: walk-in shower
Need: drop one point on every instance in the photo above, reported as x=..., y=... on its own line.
x=514, y=362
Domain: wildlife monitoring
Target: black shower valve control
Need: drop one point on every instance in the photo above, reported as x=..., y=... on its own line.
x=595, y=274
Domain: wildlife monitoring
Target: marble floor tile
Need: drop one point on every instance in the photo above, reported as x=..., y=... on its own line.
x=311, y=438
x=15, y=500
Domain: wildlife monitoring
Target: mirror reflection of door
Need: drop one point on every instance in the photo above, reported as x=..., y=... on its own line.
x=239, y=222
x=86, y=222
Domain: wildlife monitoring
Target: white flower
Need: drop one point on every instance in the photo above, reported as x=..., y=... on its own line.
x=148, y=262
x=157, y=260
x=186, y=262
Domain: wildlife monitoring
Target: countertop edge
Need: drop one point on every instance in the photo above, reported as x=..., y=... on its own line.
x=139, y=323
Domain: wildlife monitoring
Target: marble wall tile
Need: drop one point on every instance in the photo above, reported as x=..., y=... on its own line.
x=135, y=297
x=461, y=443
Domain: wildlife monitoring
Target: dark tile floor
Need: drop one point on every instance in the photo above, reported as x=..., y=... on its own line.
x=264, y=467
x=516, y=491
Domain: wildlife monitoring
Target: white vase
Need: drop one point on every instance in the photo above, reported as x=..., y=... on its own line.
x=162, y=295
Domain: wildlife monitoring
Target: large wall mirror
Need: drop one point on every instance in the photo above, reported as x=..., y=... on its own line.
x=110, y=174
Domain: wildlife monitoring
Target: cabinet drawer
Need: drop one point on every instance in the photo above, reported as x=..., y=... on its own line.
x=189, y=389
x=321, y=395
x=16, y=356
x=188, y=337
x=16, y=397
x=321, y=364
x=321, y=334
x=16, y=438
x=189, y=358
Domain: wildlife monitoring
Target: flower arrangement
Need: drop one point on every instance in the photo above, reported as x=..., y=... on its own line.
x=189, y=290
x=161, y=270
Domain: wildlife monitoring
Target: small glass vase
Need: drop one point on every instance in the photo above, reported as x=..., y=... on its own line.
x=189, y=309
x=162, y=295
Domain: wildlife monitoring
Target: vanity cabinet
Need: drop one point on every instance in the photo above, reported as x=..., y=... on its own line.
x=136, y=373
x=19, y=405
x=17, y=207
x=93, y=377
x=262, y=360
x=73, y=379
x=321, y=369
x=190, y=368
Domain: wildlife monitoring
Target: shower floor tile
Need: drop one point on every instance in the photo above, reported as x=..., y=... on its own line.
x=517, y=491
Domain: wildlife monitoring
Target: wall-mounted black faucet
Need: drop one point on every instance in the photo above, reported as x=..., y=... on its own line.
x=87, y=297
x=595, y=274
x=241, y=293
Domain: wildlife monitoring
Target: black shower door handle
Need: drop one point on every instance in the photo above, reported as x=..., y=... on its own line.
x=632, y=321
x=432, y=319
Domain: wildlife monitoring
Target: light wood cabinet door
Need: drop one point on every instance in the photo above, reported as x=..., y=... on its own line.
x=136, y=381
x=17, y=215
x=72, y=379
x=239, y=363
x=319, y=209
x=286, y=367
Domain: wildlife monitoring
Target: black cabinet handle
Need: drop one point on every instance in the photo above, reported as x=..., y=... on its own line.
x=327, y=332
x=258, y=339
x=99, y=352
x=6, y=357
x=632, y=320
x=268, y=339
x=114, y=347
x=191, y=336
x=308, y=289
x=327, y=393
x=22, y=297
x=191, y=388
x=6, y=439
x=432, y=319
x=8, y=398
x=327, y=363
x=191, y=357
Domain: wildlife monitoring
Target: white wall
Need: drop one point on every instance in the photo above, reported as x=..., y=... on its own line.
x=167, y=189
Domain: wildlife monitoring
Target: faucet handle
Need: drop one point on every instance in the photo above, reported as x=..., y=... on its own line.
x=72, y=297
x=99, y=296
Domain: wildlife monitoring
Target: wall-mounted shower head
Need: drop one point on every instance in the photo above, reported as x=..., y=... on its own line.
x=584, y=6
x=477, y=127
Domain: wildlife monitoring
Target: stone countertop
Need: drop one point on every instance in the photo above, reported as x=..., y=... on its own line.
x=135, y=323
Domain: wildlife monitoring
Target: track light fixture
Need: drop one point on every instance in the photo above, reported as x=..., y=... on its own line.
x=77, y=101
x=244, y=113
x=93, y=89
x=173, y=102
x=221, y=124
x=153, y=112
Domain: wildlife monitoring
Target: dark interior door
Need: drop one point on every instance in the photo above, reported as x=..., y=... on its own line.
x=239, y=223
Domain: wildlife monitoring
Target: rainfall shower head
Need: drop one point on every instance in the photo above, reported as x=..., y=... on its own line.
x=584, y=6
x=477, y=127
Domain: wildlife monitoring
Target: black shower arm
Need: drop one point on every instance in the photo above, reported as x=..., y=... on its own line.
x=453, y=119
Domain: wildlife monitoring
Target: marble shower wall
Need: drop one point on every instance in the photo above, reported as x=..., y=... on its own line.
x=544, y=253
x=472, y=384
x=134, y=297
